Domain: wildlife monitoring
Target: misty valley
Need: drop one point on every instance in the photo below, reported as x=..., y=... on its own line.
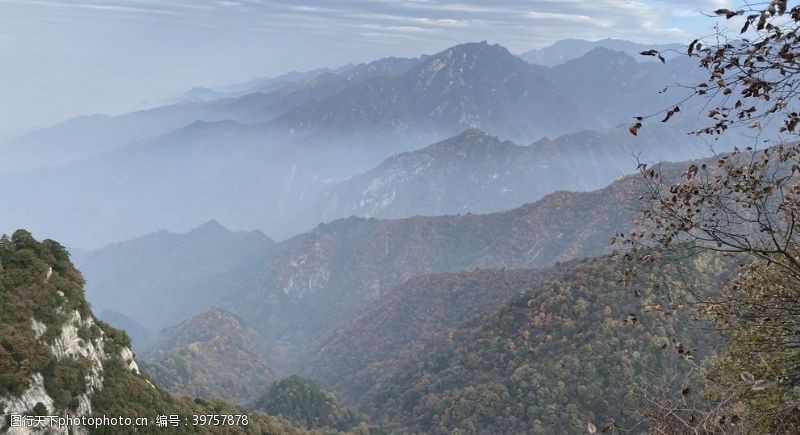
x=580, y=236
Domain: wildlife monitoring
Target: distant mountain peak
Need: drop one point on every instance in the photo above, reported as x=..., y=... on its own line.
x=455, y=62
x=605, y=51
x=568, y=49
x=211, y=319
x=204, y=345
x=212, y=226
x=471, y=46
x=472, y=139
x=474, y=51
x=215, y=314
x=606, y=57
x=472, y=133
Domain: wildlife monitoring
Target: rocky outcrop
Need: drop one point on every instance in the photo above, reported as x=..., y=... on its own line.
x=57, y=360
x=67, y=345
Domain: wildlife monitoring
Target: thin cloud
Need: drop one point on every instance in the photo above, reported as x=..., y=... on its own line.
x=643, y=20
x=158, y=47
x=92, y=6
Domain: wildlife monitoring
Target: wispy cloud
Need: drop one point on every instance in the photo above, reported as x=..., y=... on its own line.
x=130, y=7
x=454, y=19
x=106, y=55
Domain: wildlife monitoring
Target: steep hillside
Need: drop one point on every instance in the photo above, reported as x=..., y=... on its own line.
x=322, y=278
x=164, y=278
x=319, y=280
x=56, y=358
x=212, y=355
x=307, y=404
x=419, y=310
x=564, y=351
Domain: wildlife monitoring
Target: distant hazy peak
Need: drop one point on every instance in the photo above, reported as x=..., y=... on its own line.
x=473, y=139
x=387, y=65
x=214, y=314
x=211, y=226
x=214, y=318
x=569, y=49
x=219, y=356
x=476, y=46
x=470, y=52
x=605, y=53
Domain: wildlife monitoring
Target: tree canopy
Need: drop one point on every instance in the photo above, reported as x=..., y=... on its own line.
x=745, y=206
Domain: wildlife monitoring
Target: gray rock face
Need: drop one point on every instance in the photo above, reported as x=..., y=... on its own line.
x=68, y=345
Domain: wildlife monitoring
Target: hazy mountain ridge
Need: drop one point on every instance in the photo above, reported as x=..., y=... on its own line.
x=265, y=85
x=212, y=355
x=318, y=280
x=176, y=182
x=614, y=87
x=474, y=85
x=471, y=172
x=88, y=136
x=279, y=172
x=185, y=273
x=569, y=49
x=478, y=173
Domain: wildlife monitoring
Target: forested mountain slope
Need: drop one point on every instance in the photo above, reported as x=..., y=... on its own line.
x=517, y=351
x=212, y=355
x=320, y=279
x=307, y=404
x=56, y=358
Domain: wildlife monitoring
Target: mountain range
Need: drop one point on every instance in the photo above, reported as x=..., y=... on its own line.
x=470, y=85
x=163, y=279
x=442, y=257
x=285, y=151
x=292, y=291
x=478, y=173
x=569, y=49
x=434, y=353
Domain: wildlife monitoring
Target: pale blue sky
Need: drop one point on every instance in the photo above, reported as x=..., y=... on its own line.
x=61, y=58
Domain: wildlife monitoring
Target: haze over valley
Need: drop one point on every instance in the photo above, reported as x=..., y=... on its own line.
x=330, y=144
x=573, y=226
